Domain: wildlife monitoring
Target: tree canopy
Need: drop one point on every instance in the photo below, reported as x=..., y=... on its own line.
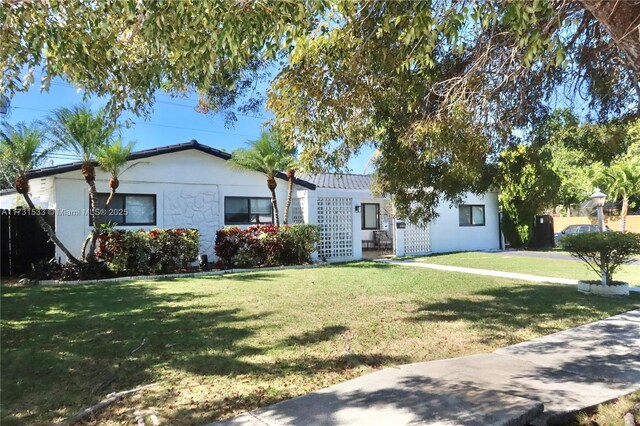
x=429, y=83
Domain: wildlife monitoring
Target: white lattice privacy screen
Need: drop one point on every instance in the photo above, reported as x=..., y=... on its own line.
x=416, y=239
x=336, y=228
x=297, y=210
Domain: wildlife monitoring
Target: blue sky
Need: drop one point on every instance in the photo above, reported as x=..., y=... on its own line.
x=173, y=121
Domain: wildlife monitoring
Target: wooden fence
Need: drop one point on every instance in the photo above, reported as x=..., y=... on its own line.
x=613, y=222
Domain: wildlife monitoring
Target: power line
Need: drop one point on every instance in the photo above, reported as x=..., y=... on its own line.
x=196, y=130
x=63, y=84
x=158, y=125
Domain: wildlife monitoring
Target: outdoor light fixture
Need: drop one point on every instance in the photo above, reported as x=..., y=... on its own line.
x=598, y=198
x=357, y=209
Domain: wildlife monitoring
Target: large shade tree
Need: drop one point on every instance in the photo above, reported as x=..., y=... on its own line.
x=578, y=151
x=393, y=74
x=528, y=184
x=22, y=148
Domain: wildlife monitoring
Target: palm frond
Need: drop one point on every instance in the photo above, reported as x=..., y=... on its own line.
x=622, y=179
x=114, y=156
x=80, y=131
x=23, y=147
x=266, y=155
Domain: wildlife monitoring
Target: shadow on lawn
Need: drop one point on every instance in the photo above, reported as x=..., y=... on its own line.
x=58, y=344
x=498, y=312
x=82, y=333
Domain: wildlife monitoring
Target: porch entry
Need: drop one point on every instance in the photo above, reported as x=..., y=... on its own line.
x=377, y=230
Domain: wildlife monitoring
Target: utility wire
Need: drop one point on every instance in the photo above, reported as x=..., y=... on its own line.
x=156, y=124
x=67, y=85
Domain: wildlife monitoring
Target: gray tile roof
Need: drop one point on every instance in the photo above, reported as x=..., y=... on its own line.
x=338, y=181
x=193, y=144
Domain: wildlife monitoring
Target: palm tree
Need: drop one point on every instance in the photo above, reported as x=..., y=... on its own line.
x=23, y=148
x=83, y=133
x=371, y=161
x=268, y=155
x=112, y=159
x=622, y=180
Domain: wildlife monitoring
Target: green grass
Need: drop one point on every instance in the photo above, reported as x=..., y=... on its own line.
x=612, y=413
x=223, y=345
x=530, y=265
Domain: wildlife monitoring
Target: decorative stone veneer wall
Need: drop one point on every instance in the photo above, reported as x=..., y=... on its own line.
x=194, y=209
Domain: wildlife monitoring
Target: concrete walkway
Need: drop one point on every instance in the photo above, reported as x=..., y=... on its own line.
x=546, y=255
x=559, y=373
x=486, y=272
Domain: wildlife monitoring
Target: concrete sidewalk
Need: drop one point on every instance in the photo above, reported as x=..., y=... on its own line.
x=559, y=373
x=546, y=255
x=488, y=272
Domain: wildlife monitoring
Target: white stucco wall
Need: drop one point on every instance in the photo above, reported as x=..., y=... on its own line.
x=447, y=235
x=41, y=191
x=190, y=187
x=9, y=200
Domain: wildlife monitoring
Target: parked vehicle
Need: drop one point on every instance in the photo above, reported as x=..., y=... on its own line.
x=576, y=229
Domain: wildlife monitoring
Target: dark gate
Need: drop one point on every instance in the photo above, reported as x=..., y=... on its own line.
x=542, y=232
x=23, y=241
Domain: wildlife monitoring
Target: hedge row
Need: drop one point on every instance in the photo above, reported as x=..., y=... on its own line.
x=148, y=252
x=266, y=245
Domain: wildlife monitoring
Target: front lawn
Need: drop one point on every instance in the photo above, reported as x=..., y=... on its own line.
x=222, y=345
x=502, y=261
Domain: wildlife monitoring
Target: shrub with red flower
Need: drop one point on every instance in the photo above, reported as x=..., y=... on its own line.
x=148, y=252
x=266, y=245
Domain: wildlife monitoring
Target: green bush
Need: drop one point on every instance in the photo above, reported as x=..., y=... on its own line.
x=516, y=231
x=148, y=252
x=603, y=251
x=266, y=245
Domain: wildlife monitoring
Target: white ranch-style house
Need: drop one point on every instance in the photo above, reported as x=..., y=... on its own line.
x=191, y=185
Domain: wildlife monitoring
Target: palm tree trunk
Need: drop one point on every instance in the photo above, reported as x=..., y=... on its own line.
x=50, y=232
x=287, y=205
x=95, y=232
x=274, y=203
x=86, y=242
x=623, y=214
x=95, y=219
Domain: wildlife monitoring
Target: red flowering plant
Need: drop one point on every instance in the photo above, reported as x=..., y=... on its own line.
x=149, y=252
x=266, y=245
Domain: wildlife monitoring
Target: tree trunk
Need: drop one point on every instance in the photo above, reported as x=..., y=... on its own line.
x=272, y=185
x=623, y=214
x=50, y=232
x=274, y=203
x=95, y=232
x=287, y=205
x=96, y=219
x=621, y=18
